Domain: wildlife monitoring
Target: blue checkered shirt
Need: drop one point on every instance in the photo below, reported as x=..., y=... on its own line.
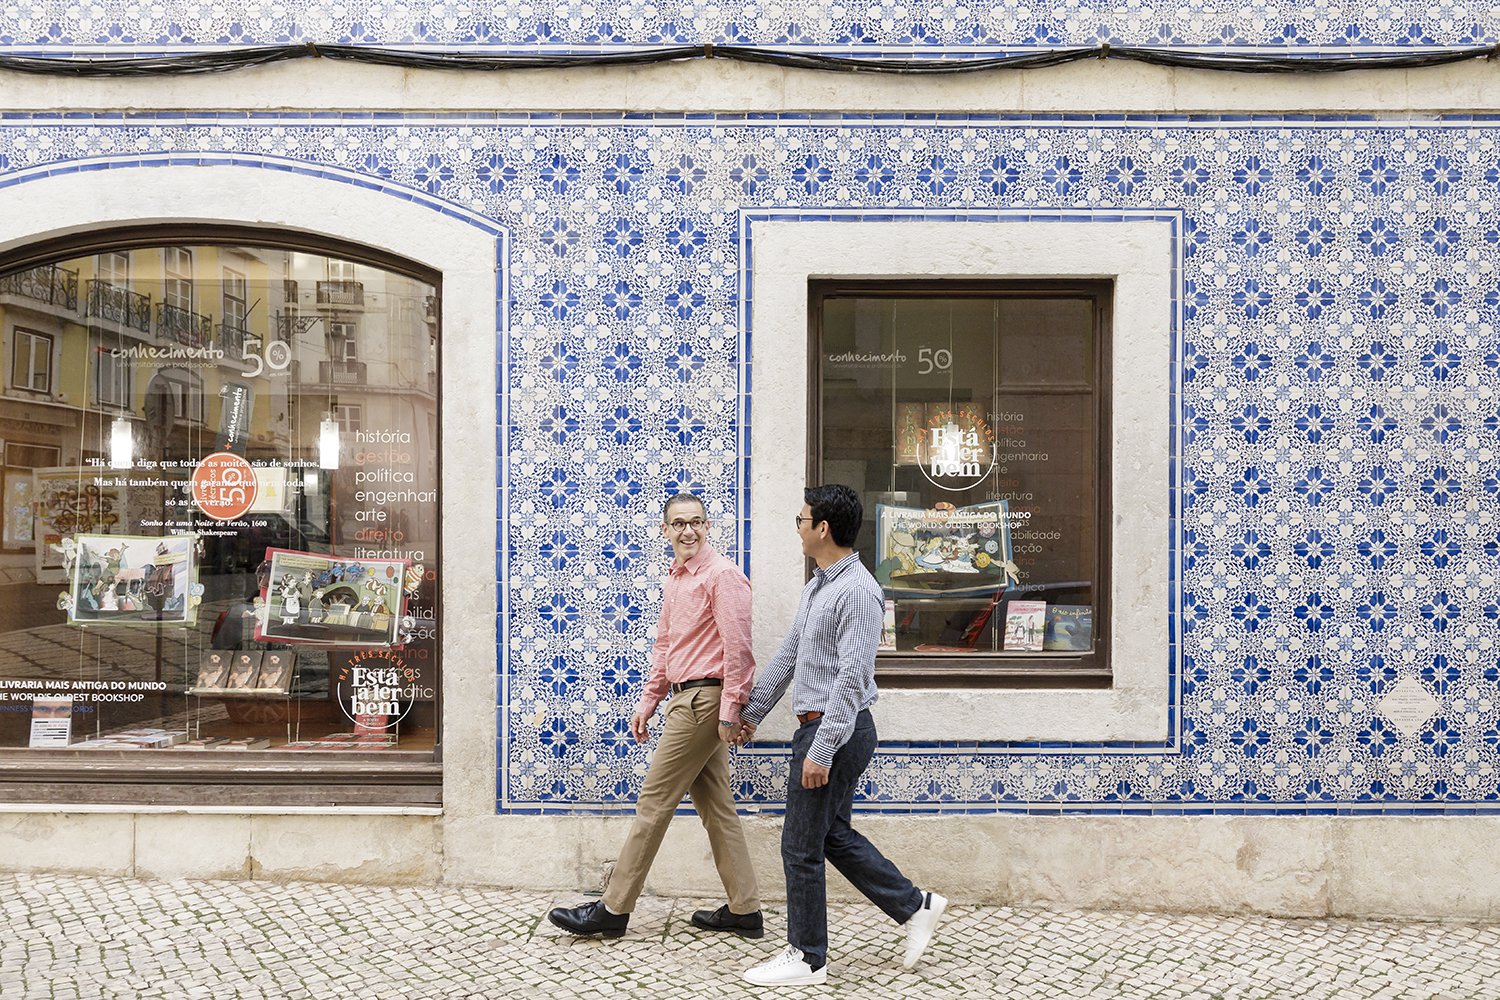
x=830, y=652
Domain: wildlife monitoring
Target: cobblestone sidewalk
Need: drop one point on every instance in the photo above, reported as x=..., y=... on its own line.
x=72, y=937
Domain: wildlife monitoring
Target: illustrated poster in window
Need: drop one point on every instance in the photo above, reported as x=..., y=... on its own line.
x=133, y=580
x=943, y=551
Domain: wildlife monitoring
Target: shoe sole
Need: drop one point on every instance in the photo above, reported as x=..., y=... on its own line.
x=819, y=978
x=937, y=917
x=754, y=933
x=607, y=934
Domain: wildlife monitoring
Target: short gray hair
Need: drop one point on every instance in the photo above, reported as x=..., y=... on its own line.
x=682, y=498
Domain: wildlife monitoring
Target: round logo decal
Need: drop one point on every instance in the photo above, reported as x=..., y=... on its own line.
x=960, y=452
x=374, y=690
x=224, y=486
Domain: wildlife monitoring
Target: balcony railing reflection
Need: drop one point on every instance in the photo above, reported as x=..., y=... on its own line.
x=341, y=293
x=49, y=284
x=231, y=339
x=341, y=372
x=118, y=304
x=183, y=325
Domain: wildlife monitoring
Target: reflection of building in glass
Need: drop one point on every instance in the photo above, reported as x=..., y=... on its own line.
x=124, y=369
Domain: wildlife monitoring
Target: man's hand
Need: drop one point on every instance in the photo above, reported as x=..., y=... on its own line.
x=814, y=775
x=746, y=733
x=638, y=721
x=730, y=733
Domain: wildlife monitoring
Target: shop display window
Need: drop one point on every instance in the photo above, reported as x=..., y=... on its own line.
x=972, y=419
x=221, y=525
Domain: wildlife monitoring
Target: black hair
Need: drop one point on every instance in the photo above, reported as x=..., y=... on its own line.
x=682, y=498
x=840, y=507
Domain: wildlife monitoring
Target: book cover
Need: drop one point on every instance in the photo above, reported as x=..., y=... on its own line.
x=276, y=670
x=213, y=670
x=911, y=433
x=244, y=670
x=1070, y=628
x=246, y=743
x=888, y=629
x=1025, y=626
x=203, y=743
x=366, y=724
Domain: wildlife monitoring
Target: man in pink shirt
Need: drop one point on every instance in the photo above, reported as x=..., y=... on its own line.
x=702, y=655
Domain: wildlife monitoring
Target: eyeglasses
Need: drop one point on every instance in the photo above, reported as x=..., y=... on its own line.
x=801, y=518
x=679, y=525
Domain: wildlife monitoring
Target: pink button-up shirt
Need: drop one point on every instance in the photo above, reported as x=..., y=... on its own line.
x=704, y=632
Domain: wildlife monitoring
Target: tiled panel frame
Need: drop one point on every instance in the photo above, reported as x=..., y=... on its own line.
x=1338, y=382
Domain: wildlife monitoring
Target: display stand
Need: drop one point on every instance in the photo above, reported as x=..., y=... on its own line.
x=246, y=679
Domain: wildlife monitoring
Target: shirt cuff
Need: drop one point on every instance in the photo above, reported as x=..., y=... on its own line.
x=821, y=753
x=730, y=713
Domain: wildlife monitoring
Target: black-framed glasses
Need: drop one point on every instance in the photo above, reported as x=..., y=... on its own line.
x=679, y=525
x=801, y=518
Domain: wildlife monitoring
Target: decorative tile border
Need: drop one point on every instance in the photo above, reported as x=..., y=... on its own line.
x=947, y=28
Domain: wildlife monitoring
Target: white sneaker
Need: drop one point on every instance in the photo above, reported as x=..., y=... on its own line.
x=787, y=969
x=920, y=927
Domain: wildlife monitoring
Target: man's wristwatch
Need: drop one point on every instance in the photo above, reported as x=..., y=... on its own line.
x=726, y=725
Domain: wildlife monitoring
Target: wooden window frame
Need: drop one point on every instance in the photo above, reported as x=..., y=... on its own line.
x=397, y=779
x=32, y=336
x=1085, y=670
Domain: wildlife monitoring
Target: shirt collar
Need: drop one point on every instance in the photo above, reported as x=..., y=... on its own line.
x=833, y=572
x=695, y=565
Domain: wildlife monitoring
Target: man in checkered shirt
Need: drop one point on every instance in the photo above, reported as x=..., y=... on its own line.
x=830, y=654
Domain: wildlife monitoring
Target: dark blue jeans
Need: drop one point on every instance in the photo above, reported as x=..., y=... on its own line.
x=817, y=828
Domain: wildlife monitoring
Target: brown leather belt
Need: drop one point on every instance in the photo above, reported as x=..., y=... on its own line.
x=702, y=682
x=806, y=717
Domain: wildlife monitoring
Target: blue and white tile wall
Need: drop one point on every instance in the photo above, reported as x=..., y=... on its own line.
x=932, y=27
x=1338, y=371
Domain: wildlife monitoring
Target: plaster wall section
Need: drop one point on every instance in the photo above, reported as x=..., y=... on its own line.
x=1079, y=88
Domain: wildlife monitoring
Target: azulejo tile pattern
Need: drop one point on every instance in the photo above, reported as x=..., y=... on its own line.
x=1339, y=419
x=949, y=28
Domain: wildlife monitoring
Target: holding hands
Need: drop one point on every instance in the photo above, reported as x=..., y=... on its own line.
x=736, y=734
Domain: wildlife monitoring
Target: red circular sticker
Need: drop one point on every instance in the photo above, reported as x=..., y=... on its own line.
x=224, y=486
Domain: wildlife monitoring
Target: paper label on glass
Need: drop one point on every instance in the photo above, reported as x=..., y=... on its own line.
x=51, y=722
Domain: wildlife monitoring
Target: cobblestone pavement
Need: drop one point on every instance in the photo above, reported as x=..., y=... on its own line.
x=83, y=938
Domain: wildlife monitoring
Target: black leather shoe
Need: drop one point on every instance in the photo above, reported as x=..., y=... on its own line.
x=590, y=918
x=747, y=925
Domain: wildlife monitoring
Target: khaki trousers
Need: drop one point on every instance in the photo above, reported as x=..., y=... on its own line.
x=690, y=759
